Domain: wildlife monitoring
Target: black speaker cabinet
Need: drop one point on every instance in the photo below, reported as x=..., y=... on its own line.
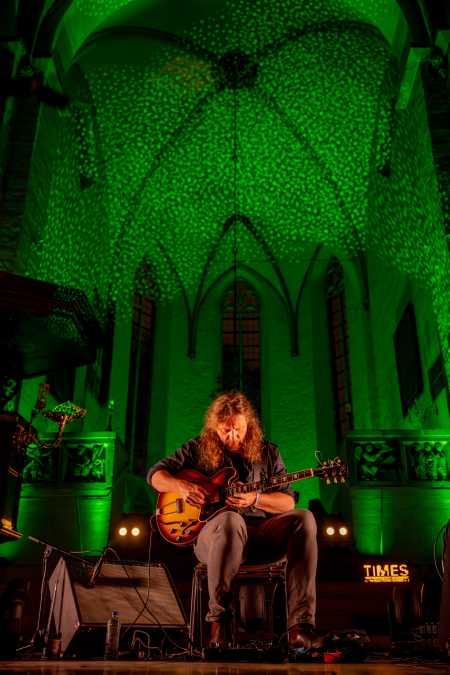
x=80, y=612
x=444, y=615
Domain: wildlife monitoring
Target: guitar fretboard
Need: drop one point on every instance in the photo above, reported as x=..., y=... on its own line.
x=273, y=483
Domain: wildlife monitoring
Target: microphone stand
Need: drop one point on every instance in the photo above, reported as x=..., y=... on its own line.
x=40, y=633
x=52, y=547
x=97, y=569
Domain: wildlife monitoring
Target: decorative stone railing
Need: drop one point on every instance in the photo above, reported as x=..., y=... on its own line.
x=399, y=457
x=89, y=458
x=398, y=495
x=70, y=495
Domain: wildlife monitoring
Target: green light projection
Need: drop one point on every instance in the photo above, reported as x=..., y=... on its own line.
x=259, y=19
x=405, y=216
x=250, y=115
x=100, y=9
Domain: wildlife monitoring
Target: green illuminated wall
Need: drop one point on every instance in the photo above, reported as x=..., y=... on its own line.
x=158, y=151
x=399, y=522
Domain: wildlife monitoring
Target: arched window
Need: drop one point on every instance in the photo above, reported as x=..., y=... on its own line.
x=241, y=341
x=340, y=358
x=140, y=373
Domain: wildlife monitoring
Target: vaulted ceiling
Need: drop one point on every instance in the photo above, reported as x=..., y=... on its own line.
x=255, y=113
x=249, y=24
x=200, y=133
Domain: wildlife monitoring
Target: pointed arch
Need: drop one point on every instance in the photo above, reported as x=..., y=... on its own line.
x=285, y=294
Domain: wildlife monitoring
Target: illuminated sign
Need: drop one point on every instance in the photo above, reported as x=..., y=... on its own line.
x=392, y=573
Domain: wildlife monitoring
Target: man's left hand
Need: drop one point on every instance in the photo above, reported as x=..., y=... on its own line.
x=241, y=501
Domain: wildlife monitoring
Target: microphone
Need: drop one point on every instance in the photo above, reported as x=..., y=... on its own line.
x=96, y=570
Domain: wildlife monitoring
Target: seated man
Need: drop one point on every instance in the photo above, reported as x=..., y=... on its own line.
x=257, y=527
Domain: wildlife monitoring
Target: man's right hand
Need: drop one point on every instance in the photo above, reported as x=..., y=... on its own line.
x=191, y=493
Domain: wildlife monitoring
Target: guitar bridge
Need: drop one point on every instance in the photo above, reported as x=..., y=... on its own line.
x=179, y=506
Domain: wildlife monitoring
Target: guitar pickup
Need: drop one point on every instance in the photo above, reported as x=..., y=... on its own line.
x=179, y=506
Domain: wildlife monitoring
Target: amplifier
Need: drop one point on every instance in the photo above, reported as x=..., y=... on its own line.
x=80, y=612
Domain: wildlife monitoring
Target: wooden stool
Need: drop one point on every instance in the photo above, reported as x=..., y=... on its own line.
x=255, y=587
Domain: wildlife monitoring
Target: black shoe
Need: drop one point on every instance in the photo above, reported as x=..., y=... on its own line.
x=303, y=636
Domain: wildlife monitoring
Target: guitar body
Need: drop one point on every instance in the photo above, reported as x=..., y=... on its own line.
x=179, y=522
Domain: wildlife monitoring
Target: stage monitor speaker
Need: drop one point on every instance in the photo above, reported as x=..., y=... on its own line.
x=444, y=615
x=79, y=611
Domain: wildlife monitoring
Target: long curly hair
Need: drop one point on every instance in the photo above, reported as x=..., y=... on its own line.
x=211, y=449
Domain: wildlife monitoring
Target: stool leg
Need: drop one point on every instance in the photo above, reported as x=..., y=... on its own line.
x=283, y=581
x=195, y=613
x=233, y=630
x=200, y=618
x=192, y=617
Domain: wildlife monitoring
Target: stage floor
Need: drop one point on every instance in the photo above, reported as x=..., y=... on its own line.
x=201, y=668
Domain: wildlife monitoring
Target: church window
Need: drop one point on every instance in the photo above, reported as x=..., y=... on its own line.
x=339, y=346
x=241, y=341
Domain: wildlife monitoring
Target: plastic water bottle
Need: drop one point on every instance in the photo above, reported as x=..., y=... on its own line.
x=112, y=636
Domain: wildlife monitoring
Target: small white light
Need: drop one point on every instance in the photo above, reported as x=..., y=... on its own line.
x=330, y=531
x=343, y=531
x=135, y=531
x=123, y=531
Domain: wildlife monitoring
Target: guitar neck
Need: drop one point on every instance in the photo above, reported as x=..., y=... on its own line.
x=273, y=483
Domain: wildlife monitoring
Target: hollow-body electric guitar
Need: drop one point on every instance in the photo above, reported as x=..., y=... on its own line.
x=180, y=522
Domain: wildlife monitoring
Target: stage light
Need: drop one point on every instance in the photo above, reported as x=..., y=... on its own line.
x=129, y=535
x=333, y=530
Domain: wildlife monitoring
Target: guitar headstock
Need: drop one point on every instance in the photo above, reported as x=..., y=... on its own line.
x=333, y=471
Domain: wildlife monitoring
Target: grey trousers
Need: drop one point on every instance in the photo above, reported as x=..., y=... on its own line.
x=226, y=541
